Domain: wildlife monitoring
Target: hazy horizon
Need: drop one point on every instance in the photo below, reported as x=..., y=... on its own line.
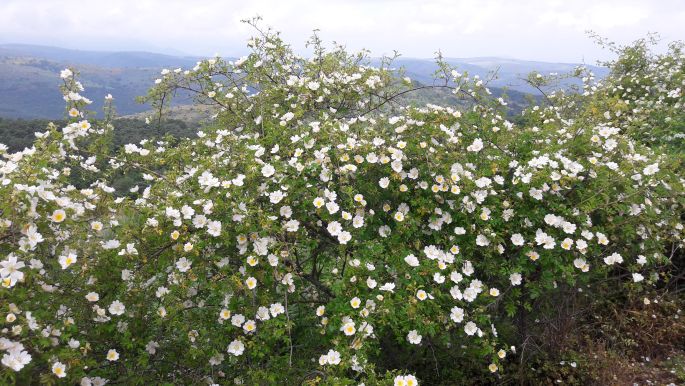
x=550, y=31
x=187, y=55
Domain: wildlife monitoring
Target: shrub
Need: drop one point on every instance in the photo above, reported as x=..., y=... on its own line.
x=316, y=232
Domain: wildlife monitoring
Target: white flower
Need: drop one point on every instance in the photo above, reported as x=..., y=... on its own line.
x=470, y=328
x=413, y=337
x=263, y=313
x=313, y=85
x=292, y=225
x=73, y=343
x=224, y=314
x=268, y=170
x=287, y=117
x=390, y=287
x=637, y=277
x=250, y=326
x=58, y=216
x=438, y=278
x=650, y=169
x=535, y=193
x=515, y=278
x=117, y=308
x=111, y=244
x=412, y=260
x=276, y=197
x=581, y=245
x=476, y=146
x=334, y=228
x=349, y=328
x=183, y=264
x=457, y=314
x=59, y=369
x=614, y=258
x=569, y=227
x=286, y=211
x=238, y=320
x=92, y=297
x=112, y=355
x=517, y=239
x=567, y=244
x=66, y=260
x=552, y=220
x=330, y=358
x=187, y=212
x=602, y=239
x=33, y=236
x=208, y=180
x=214, y=228
x=236, y=348
x=10, y=269
x=482, y=241
x=456, y=293
x=276, y=309
x=384, y=182
x=358, y=221
x=16, y=357
x=323, y=360
x=344, y=237
x=467, y=269
x=151, y=347
x=161, y=292
x=333, y=357
x=581, y=264
x=251, y=282
x=405, y=380
x=542, y=238
x=332, y=207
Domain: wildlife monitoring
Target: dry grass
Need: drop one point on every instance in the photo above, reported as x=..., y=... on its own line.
x=609, y=343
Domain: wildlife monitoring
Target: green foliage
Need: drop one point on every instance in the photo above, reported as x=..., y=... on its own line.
x=18, y=134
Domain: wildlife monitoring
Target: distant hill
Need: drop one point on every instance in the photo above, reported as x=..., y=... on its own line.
x=125, y=59
x=510, y=72
x=29, y=76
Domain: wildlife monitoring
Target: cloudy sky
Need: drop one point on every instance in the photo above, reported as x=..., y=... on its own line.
x=552, y=30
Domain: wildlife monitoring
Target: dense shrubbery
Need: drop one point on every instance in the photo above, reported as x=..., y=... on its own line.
x=318, y=233
x=18, y=134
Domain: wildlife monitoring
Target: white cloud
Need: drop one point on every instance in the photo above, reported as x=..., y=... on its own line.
x=600, y=17
x=546, y=30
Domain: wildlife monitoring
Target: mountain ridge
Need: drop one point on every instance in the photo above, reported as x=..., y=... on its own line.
x=29, y=75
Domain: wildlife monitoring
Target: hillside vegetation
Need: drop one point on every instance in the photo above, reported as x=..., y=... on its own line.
x=327, y=228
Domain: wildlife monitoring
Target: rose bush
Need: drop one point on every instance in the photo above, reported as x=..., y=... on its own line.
x=316, y=229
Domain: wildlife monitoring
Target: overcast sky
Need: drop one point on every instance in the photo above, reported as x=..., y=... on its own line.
x=524, y=29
